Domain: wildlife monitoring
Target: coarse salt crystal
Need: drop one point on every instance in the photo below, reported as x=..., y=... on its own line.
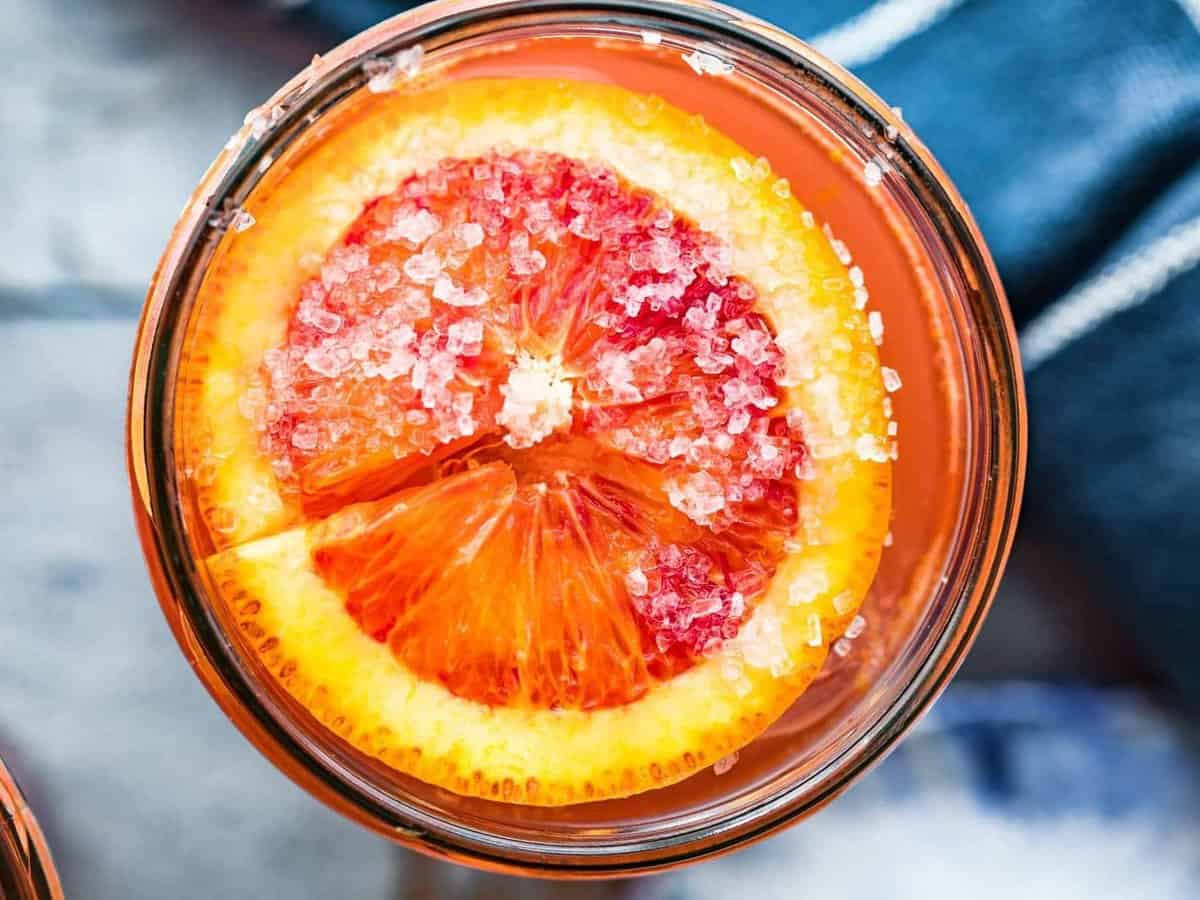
x=494, y=191
x=724, y=764
x=580, y=226
x=742, y=168
x=261, y=120
x=522, y=260
x=241, y=220
x=842, y=647
x=813, y=623
x=888, y=539
x=891, y=379
x=305, y=436
x=465, y=337
x=251, y=403
x=856, y=627
x=322, y=360
x=781, y=188
x=869, y=448
x=707, y=63
x=697, y=318
x=447, y=291
x=732, y=671
x=636, y=583
x=231, y=216
x=319, y=318
x=840, y=250
x=873, y=173
x=699, y=496
x=264, y=500
x=614, y=371
x=383, y=72
x=423, y=267
x=713, y=363
x=806, y=588
x=469, y=235
x=843, y=602
x=875, y=326
x=761, y=645
x=415, y=226
x=652, y=38
x=664, y=254
x=384, y=277
x=752, y=345
x=739, y=421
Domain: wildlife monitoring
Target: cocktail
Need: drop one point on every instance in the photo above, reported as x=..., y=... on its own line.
x=575, y=438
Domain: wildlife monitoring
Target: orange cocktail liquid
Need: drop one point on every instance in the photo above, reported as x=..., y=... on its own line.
x=828, y=180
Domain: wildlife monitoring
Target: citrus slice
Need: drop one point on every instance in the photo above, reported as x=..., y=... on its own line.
x=555, y=472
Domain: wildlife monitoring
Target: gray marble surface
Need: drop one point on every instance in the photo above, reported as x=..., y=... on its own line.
x=110, y=112
x=145, y=788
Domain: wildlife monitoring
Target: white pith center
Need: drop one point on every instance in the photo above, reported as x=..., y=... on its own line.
x=537, y=400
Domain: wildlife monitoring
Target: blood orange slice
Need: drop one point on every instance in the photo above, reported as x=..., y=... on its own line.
x=606, y=588
x=553, y=479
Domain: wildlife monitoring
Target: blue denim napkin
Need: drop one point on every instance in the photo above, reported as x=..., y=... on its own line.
x=1017, y=790
x=1073, y=130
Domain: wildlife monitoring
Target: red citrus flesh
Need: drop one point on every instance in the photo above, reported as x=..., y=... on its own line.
x=559, y=411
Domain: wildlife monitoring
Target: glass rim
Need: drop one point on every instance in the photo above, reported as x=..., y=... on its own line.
x=26, y=868
x=994, y=465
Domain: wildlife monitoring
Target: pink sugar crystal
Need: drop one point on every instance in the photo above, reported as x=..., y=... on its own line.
x=681, y=601
x=413, y=225
x=447, y=291
x=698, y=496
x=465, y=337
x=753, y=345
x=423, y=267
